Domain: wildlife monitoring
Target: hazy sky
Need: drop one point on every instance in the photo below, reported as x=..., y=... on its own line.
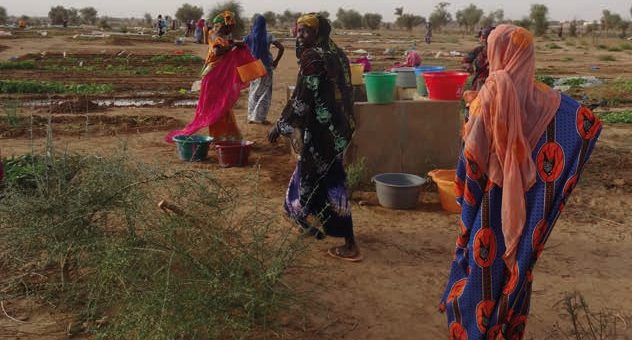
x=558, y=9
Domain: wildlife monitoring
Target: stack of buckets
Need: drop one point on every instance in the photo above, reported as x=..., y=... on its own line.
x=432, y=81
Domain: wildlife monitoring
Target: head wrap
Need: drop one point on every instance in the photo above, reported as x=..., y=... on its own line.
x=225, y=18
x=310, y=20
x=257, y=41
x=485, y=31
x=507, y=118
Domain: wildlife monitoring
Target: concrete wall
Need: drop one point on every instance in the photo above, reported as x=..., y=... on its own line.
x=406, y=136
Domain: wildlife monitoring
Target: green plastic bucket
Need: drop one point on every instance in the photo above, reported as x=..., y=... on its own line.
x=380, y=87
x=193, y=148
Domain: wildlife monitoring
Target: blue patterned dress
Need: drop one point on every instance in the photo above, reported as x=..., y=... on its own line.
x=484, y=299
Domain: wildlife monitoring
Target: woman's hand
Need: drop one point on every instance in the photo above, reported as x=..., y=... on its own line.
x=274, y=134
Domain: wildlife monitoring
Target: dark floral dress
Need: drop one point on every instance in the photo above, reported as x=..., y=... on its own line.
x=322, y=108
x=478, y=65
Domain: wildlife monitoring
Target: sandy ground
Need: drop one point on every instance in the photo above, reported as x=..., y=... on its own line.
x=394, y=293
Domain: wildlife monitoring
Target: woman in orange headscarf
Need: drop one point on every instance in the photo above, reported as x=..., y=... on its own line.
x=221, y=83
x=525, y=147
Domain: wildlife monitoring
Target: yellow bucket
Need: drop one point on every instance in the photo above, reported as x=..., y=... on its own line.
x=356, y=74
x=447, y=195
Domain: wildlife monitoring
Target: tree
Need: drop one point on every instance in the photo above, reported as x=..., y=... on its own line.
x=288, y=18
x=324, y=14
x=188, y=12
x=235, y=7
x=539, y=15
x=88, y=15
x=409, y=21
x=350, y=19
x=624, y=25
x=3, y=15
x=104, y=23
x=372, y=20
x=148, y=19
x=57, y=15
x=73, y=17
x=469, y=17
x=572, y=29
x=271, y=19
x=399, y=11
x=610, y=20
x=493, y=18
x=440, y=16
x=525, y=22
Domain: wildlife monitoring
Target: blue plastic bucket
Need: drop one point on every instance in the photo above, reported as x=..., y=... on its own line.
x=421, y=82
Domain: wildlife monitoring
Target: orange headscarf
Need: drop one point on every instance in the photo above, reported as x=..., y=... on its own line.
x=508, y=117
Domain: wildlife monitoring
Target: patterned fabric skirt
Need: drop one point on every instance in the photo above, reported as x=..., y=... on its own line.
x=260, y=98
x=484, y=299
x=328, y=202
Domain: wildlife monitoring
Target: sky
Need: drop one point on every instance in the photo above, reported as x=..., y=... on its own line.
x=514, y=9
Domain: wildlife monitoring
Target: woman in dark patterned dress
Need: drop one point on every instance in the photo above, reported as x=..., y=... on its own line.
x=322, y=107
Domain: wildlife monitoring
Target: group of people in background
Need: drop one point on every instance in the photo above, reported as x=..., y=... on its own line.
x=525, y=147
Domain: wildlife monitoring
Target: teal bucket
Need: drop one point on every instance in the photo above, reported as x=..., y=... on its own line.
x=193, y=148
x=421, y=82
x=380, y=87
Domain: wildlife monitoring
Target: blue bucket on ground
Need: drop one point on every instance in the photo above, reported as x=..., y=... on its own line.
x=193, y=148
x=421, y=82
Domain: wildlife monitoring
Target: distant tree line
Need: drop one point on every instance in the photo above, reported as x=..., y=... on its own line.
x=468, y=18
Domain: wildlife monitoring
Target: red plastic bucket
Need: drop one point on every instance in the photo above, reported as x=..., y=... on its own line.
x=445, y=85
x=233, y=153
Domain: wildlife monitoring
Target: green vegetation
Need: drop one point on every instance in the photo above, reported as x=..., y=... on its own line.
x=84, y=233
x=626, y=47
x=607, y=57
x=568, y=59
x=574, y=82
x=33, y=86
x=621, y=117
x=615, y=92
x=614, y=49
x=602, y=47
x=553, y=46
x=17, y=65
x=170, y=69
x=186, y=58
x=11, y=109
x=545, y=79
x=355, y=173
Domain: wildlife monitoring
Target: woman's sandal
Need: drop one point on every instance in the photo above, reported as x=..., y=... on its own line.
x=337, y=252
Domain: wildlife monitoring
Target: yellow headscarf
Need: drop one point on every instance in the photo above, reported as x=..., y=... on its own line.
x=309, y=20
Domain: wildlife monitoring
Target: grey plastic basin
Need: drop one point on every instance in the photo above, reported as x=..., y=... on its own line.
x=405, y=77
x=398, y=190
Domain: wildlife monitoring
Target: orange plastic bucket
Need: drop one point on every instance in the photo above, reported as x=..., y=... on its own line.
x=445, y=85
x=447, y=196
x=251, y=71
